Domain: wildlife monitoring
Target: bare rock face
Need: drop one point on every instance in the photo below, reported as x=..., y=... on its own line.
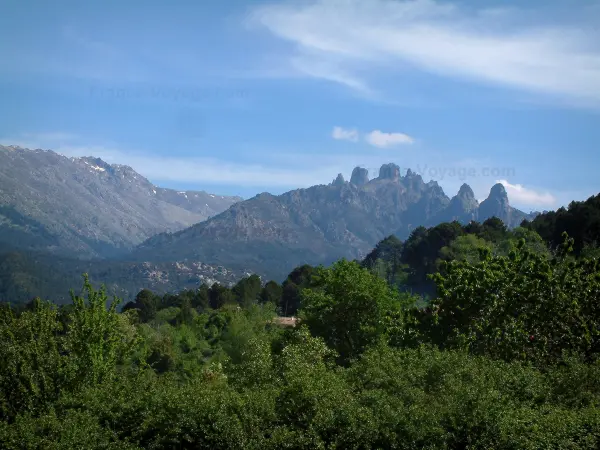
x=389, y=172
x=360, y=176
x=496, y=205
x=463, y=206
x=339, y=181
x=87, y=207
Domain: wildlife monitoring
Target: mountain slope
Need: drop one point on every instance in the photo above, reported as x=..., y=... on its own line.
x=86, y=207
x=271, y=235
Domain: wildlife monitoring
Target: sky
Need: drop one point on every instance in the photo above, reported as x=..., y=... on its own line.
x=243, y=97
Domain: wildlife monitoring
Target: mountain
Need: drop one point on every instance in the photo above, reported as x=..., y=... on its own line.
x=464, y=208
x=270, y=235
x=86, y=207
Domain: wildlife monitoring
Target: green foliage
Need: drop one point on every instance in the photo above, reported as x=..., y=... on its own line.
x=97, y=338
x=464, y=248
x=247, y=290
x=31, y=366
x=385, y=261
x=291, y=297
x=43, y=354
x=219, y=296
x=348, y=307
x=581, y=221
x=271, y=293
x=523, y=306
x=506, y=356
x=146, y=303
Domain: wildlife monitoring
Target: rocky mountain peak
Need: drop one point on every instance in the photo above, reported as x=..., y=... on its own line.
x=413, y=181
x=389, y=172
x=498, y=191
x=463, y=206
x=465, y=192
x=360, y=176
x=496, y=205
x=339, y=181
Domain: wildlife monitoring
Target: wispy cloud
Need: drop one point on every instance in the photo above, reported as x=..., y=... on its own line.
x=375, y=138
x=342, y=134
x=384, y=140
x=521, y=195
x=337, y=39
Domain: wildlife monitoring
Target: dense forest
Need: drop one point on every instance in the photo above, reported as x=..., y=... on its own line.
x=463, y=336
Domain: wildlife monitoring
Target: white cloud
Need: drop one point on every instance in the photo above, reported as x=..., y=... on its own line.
x=384, y=140
x=521, y=195
x=342, y=134
x=341, y=40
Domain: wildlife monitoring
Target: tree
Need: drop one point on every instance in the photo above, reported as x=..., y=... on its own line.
x=464, y=248
x=422, y=250
x=300, y=278
x=520, y=307
x=581, y=220
x=97, y=338
x=271, y=293
x=219, y=296
x=247, y=290
x=200, y=300
x=146, y=302
x=186, y=312
x=349, y=307
x=385, y=260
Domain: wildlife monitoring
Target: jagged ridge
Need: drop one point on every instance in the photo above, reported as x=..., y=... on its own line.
x=271, y=235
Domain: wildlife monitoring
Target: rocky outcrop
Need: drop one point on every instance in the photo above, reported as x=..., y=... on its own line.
x=496, y=205
x=360, y=176
x=339, y=181
x=463, y=207
x=389, y=172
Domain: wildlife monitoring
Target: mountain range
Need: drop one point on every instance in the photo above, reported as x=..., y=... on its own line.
x=87, y=207
x=270, y=235
x=139, y=235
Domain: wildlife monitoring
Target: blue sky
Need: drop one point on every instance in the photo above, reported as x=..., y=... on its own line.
x=241, y=97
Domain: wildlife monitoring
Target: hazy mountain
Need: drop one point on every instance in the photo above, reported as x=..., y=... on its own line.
x=86, y=207
x=271, y=235
x=464, y=207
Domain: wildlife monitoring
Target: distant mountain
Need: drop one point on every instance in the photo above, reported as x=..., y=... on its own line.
x=271, y=235
x=464, y=208
x=86, y=207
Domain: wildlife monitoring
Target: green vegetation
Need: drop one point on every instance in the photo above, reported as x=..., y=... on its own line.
x=506, y=355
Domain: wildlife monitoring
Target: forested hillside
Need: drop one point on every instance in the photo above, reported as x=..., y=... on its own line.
x=27, y=274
